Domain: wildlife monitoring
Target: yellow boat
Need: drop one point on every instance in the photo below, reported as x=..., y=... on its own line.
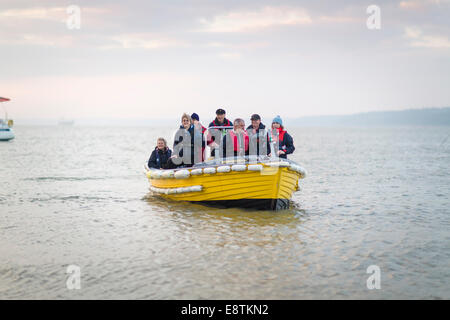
x=266, y=185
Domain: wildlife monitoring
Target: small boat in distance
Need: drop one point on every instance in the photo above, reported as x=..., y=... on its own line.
x=6, y=131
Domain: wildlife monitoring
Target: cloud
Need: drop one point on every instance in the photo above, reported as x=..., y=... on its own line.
x=242, y=21
x=58, y=14
x=419, y=39
x=53, y=14
x=40, y=26
x=144, y=41
x=420, y=4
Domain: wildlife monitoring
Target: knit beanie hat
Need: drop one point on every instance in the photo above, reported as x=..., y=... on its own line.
x=195, y=117
x=277, y=119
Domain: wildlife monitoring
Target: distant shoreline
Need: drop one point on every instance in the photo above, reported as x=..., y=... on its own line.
x=409, y=117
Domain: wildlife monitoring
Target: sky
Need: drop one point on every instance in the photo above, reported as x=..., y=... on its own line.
x=158, y=59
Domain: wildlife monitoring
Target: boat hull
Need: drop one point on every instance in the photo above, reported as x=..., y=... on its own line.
x=6, y=135
x=270, y=188
x=256, y=204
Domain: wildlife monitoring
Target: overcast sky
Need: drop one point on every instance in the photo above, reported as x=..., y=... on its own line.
x=158, y=59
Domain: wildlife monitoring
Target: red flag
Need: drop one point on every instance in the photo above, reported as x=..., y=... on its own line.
x=3, y=99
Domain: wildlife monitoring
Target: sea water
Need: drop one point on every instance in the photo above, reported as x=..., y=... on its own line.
x=77, y=221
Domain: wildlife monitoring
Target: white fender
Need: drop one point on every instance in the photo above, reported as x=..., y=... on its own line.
x=196, y=172
x=238, y=167
x=167, y=174
x=209, y=170
x=196, y=188
x=156, y=174
x=182, y=174
x=176, y=190
x=279, y=164
x=223, y=169
x=255, y=167
x=302, y=171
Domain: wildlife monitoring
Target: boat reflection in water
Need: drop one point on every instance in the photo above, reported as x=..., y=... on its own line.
x=258, y=183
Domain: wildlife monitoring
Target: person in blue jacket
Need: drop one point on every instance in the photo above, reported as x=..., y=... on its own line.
x=160, y=156
x=284, y=139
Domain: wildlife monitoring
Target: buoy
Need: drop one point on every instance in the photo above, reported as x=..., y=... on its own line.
x=196, y=172
x=167, y=174
x=255, y=167
x=209, y=170
x=239, y=167
x=223, y=169
x=182, y=174
x=156, y=174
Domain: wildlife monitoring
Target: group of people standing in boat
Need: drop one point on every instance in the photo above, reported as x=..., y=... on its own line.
x=229, y=139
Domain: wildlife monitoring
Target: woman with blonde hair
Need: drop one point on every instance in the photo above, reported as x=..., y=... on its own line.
x=160, y=156
x=190, y=137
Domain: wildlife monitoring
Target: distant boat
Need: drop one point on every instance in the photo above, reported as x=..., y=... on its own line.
x=6, y=131
x=66, y=122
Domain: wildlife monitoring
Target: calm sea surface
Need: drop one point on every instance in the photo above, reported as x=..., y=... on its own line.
x=78, y=196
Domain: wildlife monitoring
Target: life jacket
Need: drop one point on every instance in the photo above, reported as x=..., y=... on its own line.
x=236, y=141
x=280, y=139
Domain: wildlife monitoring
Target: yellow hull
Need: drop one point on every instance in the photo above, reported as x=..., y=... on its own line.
x=272, y=185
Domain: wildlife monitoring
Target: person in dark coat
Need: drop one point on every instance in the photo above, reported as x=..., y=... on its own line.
x=219, y=121
x=160, y=156
x=284, y=139
x=190, y=137
x=256, y=132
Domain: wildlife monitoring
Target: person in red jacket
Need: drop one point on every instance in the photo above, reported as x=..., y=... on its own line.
x=196, y=121
x=284, y=139
x=237, y=139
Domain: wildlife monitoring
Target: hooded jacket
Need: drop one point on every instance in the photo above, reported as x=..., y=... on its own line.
x=256, y=137
x=159, y=158
x=285, y=142
x=191, y=135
